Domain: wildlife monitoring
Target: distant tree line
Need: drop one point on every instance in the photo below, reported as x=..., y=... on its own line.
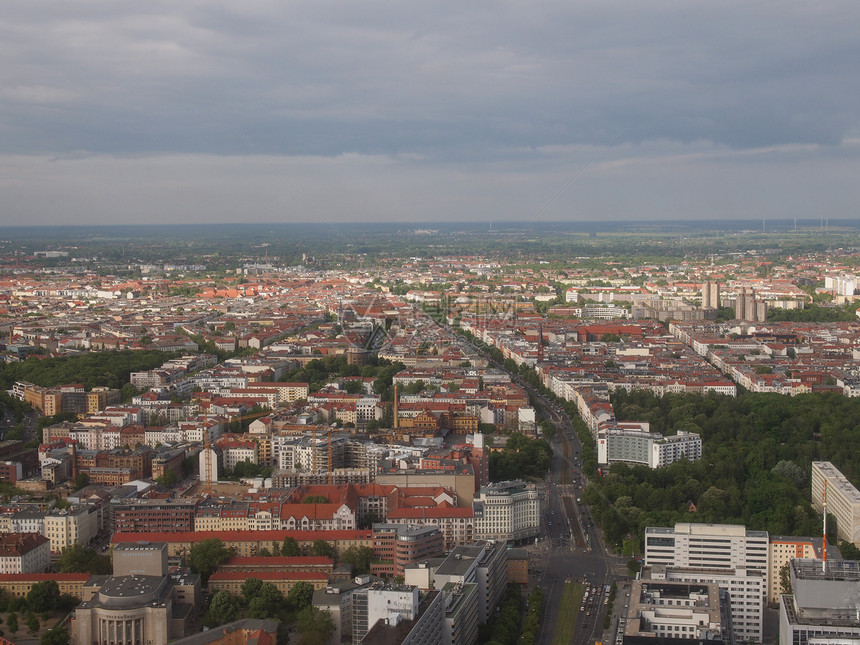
x=815, y=313
x=94, y=369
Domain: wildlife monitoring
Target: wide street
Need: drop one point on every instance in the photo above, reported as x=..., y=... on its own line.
x=570, y=548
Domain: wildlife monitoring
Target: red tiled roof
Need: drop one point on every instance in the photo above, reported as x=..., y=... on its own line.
x=438, y=511
x=39, y=577
x=242, y=536
x=268, y=575
x=276, y=561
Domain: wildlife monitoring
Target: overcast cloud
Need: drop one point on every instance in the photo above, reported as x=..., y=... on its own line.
x=117, y=111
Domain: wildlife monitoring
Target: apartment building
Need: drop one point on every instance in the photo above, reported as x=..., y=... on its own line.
x=69, y=526
x=24, y=553
x=843, y=499
x=781, y=551
x=639, y=446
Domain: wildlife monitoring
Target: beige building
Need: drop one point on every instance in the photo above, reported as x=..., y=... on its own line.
x=783, y=550
x=140, y=603
x=69, y=526
x=843, y=499
x=507, y=511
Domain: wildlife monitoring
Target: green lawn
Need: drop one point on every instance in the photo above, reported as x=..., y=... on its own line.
x=568, y=613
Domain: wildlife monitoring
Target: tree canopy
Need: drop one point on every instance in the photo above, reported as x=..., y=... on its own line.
x=77, y=559
x=206, y=556
x=754, y=469
x=44, y=596
x=521, y=458
x=314, y=625
x=108, y=369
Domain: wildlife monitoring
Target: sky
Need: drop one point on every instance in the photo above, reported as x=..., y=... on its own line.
x=192, y=111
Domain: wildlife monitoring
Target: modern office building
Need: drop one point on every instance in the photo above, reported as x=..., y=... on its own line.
x=508, y=511
x=726, y=554
x=483, y=563
x=426, y=628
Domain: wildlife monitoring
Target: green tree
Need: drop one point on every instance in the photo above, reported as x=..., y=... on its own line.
x=301, y=595
x=82, y=481
x=250, y=588
x=168, y=479
x=784, y=580
x=33, y=623
x=315, y=625
x=315, y=499
x=849, y=551
x=290, y=548
x=56, y=636
x=358, y=557
x=77, y=559
x=222, y=609
x=44, y=596
x=268, y=602
x=323, y=548
x=206, y=556
x=12, y=623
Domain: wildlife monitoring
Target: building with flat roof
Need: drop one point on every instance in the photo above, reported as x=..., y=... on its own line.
x=674, y=613
x=727, y=554
x=382, y=602
x=461, y=613
x=398, y=546
x=843, y=499
x=640, y=446
x=427, y=627
x=781, y=551
x=508, y=511
x=140, y=558
x=825, y=605
x=483, y=563
x=745, y=589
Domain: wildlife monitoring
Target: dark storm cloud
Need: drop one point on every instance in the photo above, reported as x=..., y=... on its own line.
x=329, y=77
x=506, y=93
